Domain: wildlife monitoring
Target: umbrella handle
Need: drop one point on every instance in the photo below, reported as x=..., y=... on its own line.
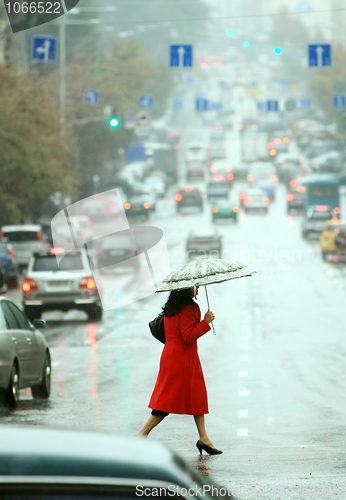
x=206, y=293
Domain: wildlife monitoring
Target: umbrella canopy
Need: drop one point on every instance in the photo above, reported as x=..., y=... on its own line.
x=204, y=271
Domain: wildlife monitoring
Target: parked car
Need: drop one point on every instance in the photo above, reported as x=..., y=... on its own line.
x=225, y=209
x=117, y=249
x=203, y=243
x=315, y=219
x=41, y=463
x=24, y=355
x=333, y=240
x=25, y=240
x=189, y=197
x=49, y=286
x=8, y=262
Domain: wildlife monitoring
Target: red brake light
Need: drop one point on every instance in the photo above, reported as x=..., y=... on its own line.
x=215, y=210
x=229, y=168
x=178, y=197
x=39, y=236
x=290, y=197
x=336, y=230
x=321, y=208
x=28, y=285
x=325, y=234
x=293, y=182
x=189, y=189
x=240, y=126
x=301, y=189
x=266, y=201
x=217, y=178
x=235, y=209
x=57, y=250
x=249, y=177
x=334, y=217
x=87, y=282
x=270, y=145
x=272, y=178
x=336, y=210
x=212, y=168
x=230, y=177
x=242, y=196
x=277, y=140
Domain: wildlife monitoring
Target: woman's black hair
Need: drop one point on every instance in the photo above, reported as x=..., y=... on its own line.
x=176, y=301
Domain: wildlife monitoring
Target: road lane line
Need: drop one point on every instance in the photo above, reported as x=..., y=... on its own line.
x=242, y=432
x=242, y=374
x=242, y=413
x=243, y=394
x=243, y=358
x=243, y=346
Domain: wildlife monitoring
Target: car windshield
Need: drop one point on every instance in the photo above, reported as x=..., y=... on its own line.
x=49, y=263
x=123, y=124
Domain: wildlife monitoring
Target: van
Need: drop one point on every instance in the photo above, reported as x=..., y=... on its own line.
x=25, y=240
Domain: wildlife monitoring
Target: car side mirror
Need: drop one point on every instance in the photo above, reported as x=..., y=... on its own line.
x=39, y=323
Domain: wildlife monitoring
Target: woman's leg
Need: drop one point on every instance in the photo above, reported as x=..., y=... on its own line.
x=203, y=436
x=153, y=421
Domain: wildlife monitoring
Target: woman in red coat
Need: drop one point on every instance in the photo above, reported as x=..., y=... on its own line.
x=180, y=386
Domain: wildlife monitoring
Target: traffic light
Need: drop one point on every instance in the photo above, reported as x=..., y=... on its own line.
x=230, y=32
x=246, y=43
x=277, y=50
x=114, y=120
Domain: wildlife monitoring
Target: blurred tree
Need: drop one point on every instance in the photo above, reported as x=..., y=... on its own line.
x=36, y=161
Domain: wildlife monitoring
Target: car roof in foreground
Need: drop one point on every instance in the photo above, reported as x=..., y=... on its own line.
x=46, y=452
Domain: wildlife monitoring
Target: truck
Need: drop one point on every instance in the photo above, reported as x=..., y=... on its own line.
x=323, y=190
x=166, y=160
x=254, y=147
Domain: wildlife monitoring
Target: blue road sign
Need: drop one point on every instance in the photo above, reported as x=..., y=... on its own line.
x=177, y=104
x=253, y=84
x=261, y=105
x=217, y=106
x=201, y=104
x=272, y=105
x=339, y=101
x=92, y=97
x=181, y=55
x=320, y=54
x=305, y=103
x=44, y=48
x=283, y=82
x=145, y=101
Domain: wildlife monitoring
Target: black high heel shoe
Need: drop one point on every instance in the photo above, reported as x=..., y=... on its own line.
x=202, y=446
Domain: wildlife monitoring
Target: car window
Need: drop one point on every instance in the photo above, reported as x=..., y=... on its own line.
x=21, y=236
x=50, y=263
x=21, y=319
x=11, y=322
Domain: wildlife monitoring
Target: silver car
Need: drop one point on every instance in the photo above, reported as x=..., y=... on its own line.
x=49, y=286
x=24, y=355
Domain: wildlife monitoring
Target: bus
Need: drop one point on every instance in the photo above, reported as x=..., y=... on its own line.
x=323, y=190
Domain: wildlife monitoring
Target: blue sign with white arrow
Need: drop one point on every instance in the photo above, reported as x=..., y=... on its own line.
x=177, y=104
x=305, y=103
x=217, y=106
x=339, y=101
x=320, y=54
x=44, y=48
x=181, y=55
x=145, y=101
x=261, y=105
x=201, y=104
x=272, y=105
x=92, y=97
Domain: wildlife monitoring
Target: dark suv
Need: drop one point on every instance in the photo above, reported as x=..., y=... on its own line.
x=189, y=197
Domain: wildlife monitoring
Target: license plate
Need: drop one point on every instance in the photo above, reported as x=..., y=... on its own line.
x=116, y=252
x=59, y=284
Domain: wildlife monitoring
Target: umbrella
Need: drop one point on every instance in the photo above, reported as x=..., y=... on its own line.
x=202, y=272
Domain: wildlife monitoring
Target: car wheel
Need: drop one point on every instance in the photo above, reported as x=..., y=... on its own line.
x=32, y=313
x=94, y=313
x=42, y=391
x=12, y=391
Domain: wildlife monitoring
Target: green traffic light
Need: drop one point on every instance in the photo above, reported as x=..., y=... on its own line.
x=114, y=122
x=246, y=43
x=230, y=32
x=277, y=50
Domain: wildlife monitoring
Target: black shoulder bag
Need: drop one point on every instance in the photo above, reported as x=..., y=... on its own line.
x=157, y=328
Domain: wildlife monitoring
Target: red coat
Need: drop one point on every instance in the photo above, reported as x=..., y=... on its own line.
x=180, y=386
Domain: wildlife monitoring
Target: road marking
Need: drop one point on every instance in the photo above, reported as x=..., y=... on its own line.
x=242, y=432
x=243, y=346
x=242, y=374
x=242, y=414
x=243, y=358
x=243, y=394
x=291, y=446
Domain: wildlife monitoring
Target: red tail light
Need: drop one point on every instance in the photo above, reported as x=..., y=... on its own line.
x=178, y=197
x=87, y=282
x=290, y=197
x=229, y=168
x=215, y=210
x=1, y=234
x=293, y=182
x=28, y=285
x=39, y=236
x=301, y=189
x=336, y=230
x=212, y=168
x=57, y=250
x=336, y=258
x=235, y=209
x=321, y=208
x=249, y=177
x=266, y=201
x=334, y=218
x=325, y=234
x=336, y=210
x=189, y=189
x=230, y=177
x=198, y=196
x=242, y=196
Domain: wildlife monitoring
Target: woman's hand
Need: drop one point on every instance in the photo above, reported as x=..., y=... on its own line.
x=209, y=316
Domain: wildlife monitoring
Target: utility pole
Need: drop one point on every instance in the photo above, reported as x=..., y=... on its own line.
x=62, y=63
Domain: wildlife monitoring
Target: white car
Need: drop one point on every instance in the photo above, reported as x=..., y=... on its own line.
x=156, y=184
x=25, y=240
